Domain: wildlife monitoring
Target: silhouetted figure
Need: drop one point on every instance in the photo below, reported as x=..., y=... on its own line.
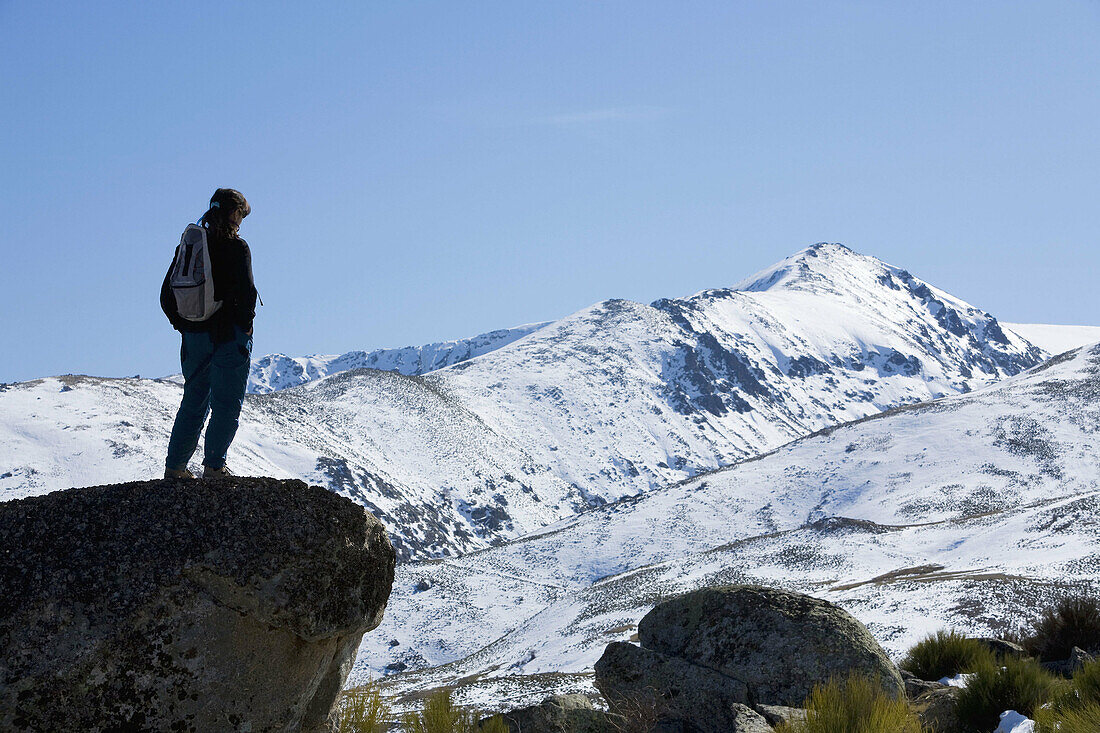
x=210, y=297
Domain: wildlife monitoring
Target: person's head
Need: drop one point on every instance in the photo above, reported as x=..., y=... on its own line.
x=227, y=208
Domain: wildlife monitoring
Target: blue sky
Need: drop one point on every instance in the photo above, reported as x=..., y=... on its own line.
x=420, y=171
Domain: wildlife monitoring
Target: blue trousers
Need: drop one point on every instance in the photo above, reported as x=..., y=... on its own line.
x=215, y=377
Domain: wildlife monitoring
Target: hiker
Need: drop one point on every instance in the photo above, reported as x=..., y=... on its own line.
x=216, y=326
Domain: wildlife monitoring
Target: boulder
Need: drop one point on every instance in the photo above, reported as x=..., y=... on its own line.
x=1001, y=647
x=559, y=714
x=936, y=710
x=781, y=714
x=647, y=687
x=747, y=720
x=915, y=686
x=1078, y=658
x=229, y=605
x=779, y=643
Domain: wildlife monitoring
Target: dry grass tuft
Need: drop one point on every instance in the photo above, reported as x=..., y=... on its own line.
x=440, y=714
x=637, y=713
x=944, y=654
x=854, y=705
x=1084, y=719
x=362, y=710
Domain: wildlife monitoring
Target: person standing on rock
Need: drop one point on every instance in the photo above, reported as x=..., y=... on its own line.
x=209, y=295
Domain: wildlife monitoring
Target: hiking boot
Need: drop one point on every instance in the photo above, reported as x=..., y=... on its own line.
x=178, y=473
x=222, y=472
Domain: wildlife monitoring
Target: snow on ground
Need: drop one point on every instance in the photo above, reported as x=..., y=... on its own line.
x=429, y=468
x=969, y=512
x=1014, y=722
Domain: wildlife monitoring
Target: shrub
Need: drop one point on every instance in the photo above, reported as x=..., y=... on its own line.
x=944, y=654
x=854, y=705
x=1007, y=684
x=494, y=724
x=1071, y=622
x=1080, y=692
x=1086, y=683
x=362, y=710
x=1084, y=719
x=441, y=715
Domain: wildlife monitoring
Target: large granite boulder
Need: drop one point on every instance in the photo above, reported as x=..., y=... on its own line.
x=779, y=643
x=707, y=654
x=228, y=605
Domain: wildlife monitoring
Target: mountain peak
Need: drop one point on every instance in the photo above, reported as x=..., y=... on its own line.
x=822, y=266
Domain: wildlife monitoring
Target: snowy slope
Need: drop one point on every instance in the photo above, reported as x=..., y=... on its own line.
x=617, y=399
x=440, y=480
x=1056, y=339
x=970, y=511
x=623, y=397
x=275, y=371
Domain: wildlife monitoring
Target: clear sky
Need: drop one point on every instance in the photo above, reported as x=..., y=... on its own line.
x=420, y=171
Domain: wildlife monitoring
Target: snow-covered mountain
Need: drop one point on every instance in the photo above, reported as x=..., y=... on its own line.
x=275, y=371
x=622, y=397
x=971, y=511
x=617, y=399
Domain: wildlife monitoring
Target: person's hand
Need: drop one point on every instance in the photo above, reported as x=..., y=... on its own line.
x=248, y=332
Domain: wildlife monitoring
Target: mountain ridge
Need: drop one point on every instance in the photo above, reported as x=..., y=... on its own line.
x=616, y=399
x=275, y=372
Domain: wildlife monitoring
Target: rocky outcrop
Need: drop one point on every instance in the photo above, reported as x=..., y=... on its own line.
x=230, y=605
x=705, y=652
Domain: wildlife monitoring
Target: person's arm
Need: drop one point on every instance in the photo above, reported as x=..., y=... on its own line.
x=245, y=302
x=168, y=299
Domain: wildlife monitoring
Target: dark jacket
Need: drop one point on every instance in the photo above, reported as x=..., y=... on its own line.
x=231, y=266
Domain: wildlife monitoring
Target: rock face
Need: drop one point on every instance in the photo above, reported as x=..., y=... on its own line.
x=233, y=605
x=706, y=652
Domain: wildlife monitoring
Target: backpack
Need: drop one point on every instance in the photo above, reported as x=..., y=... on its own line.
x=192, y=279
